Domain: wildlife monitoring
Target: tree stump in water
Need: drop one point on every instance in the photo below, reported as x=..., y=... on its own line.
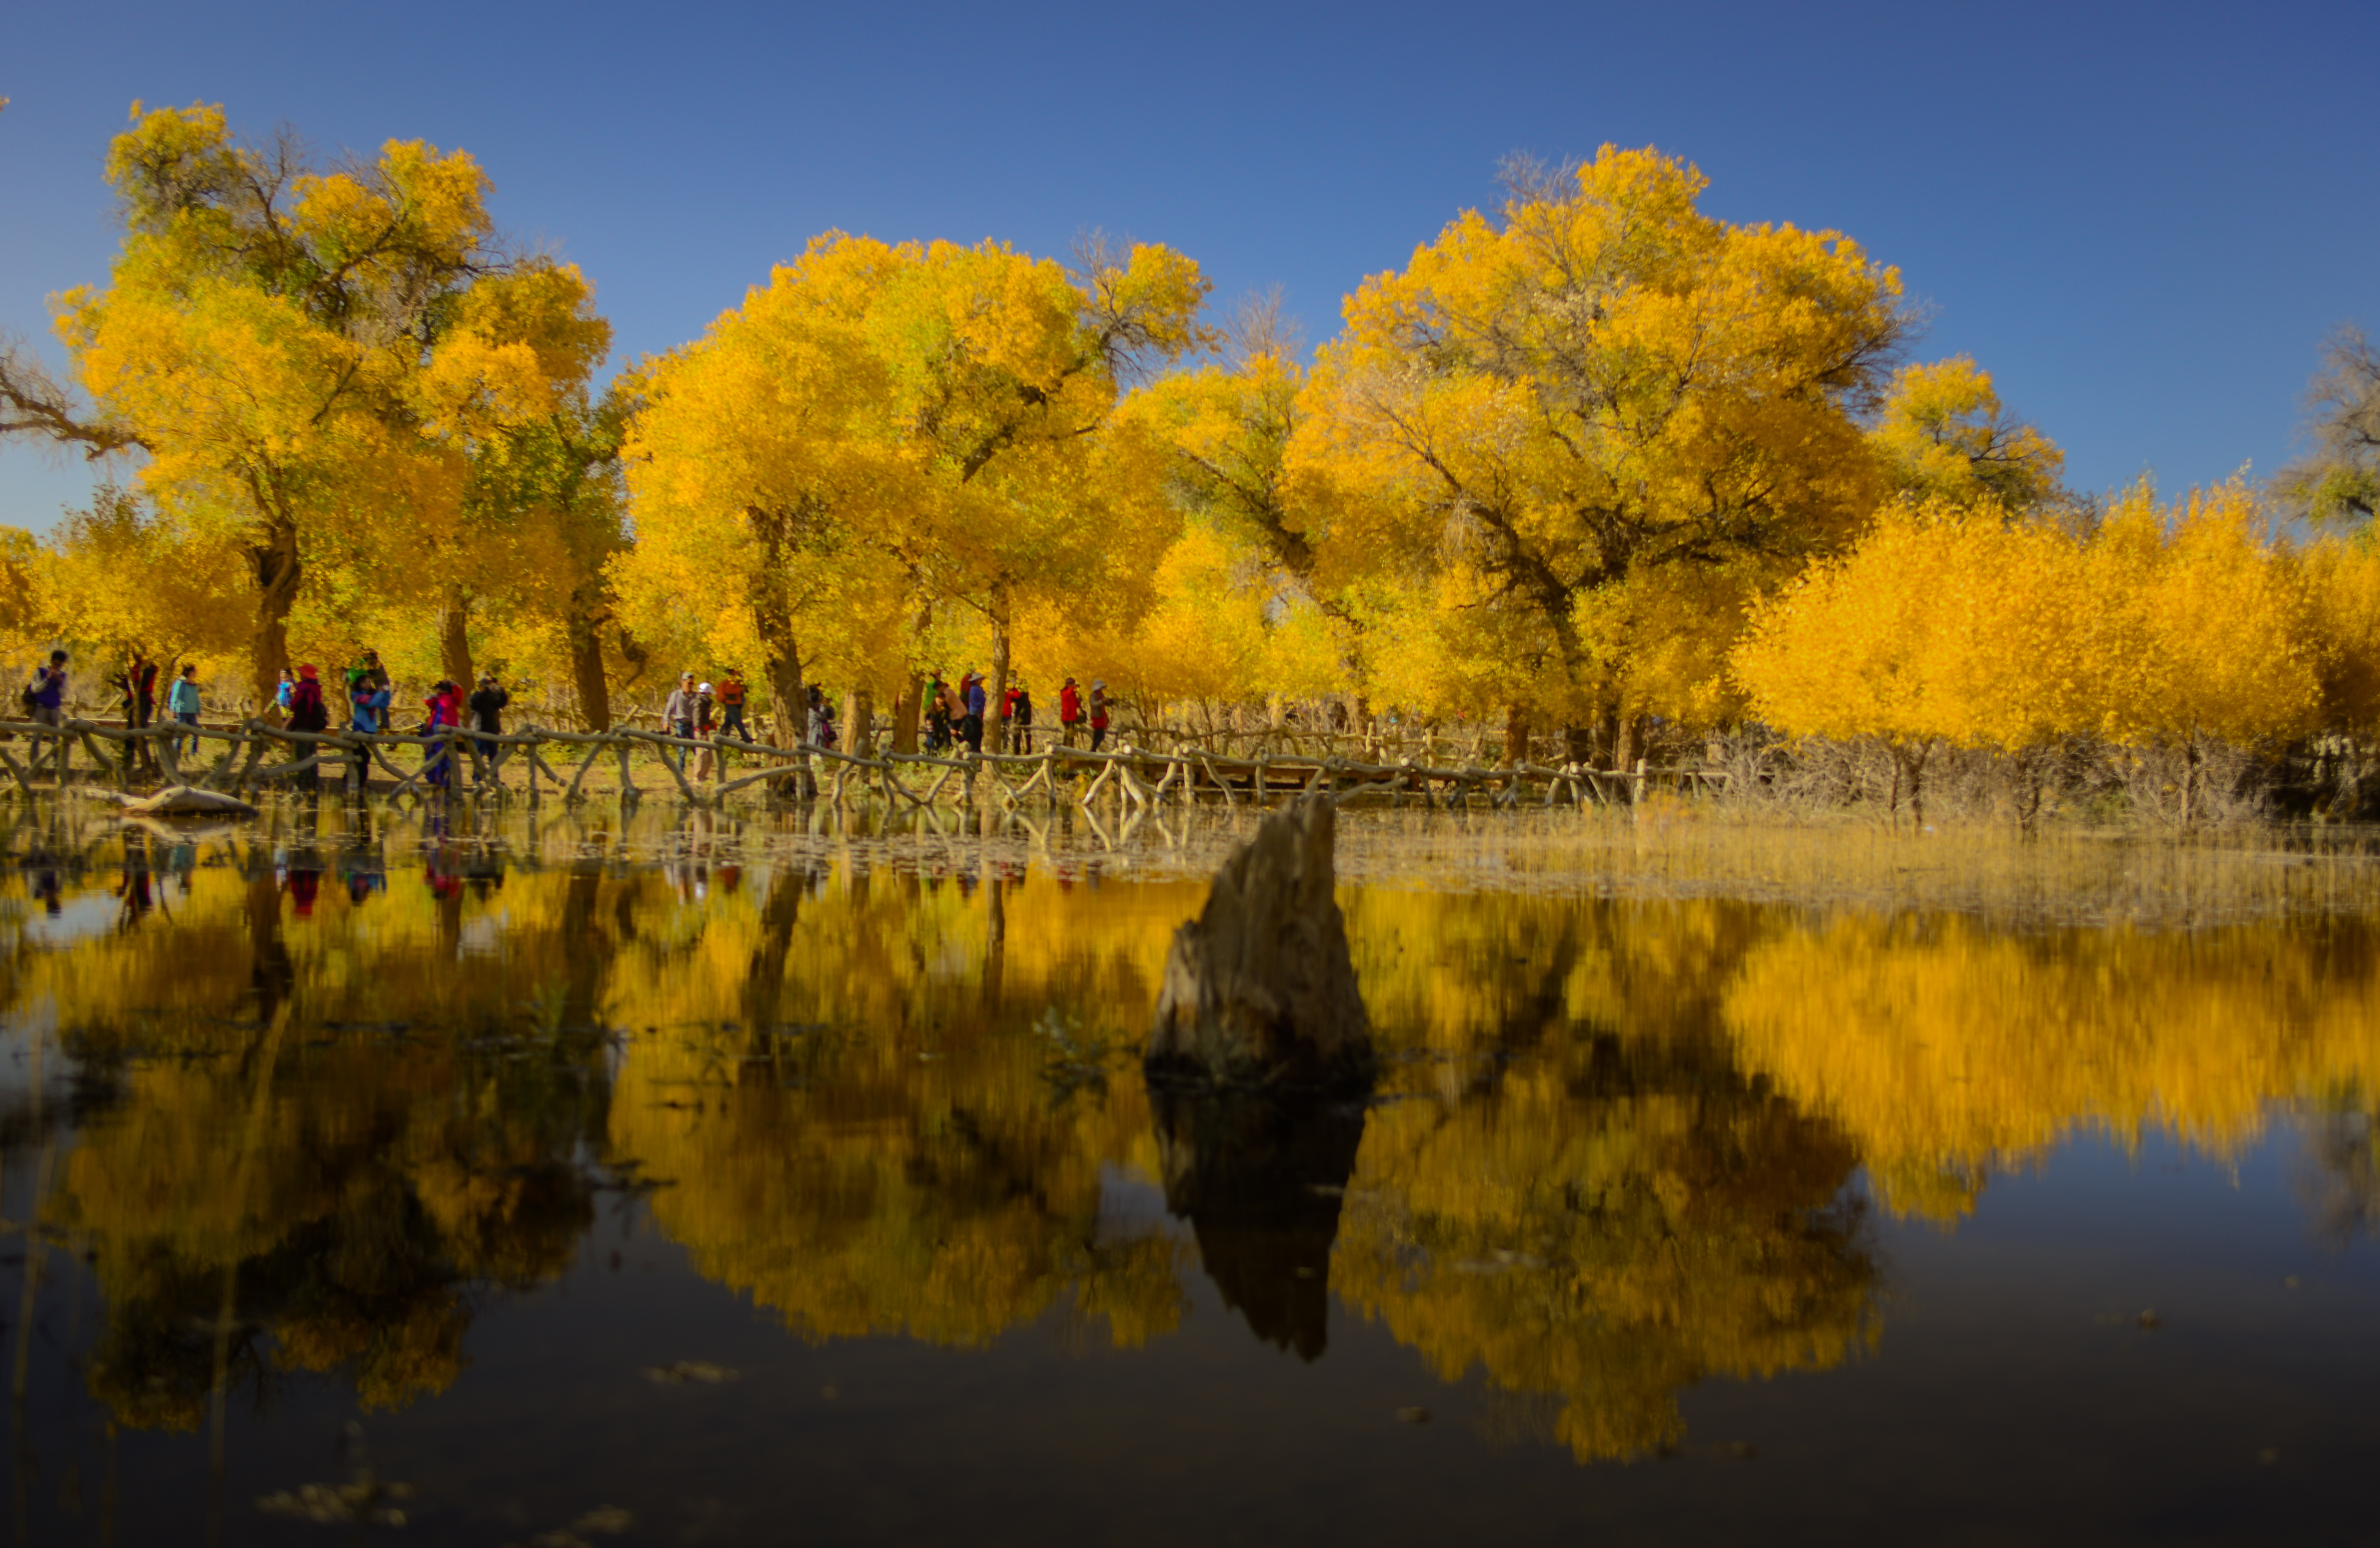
x=1259, y=990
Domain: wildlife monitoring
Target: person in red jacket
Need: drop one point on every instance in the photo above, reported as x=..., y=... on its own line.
x=1070, y=711
x=308, y=712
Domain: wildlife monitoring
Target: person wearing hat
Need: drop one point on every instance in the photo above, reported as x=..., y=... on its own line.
x=368, y=670
x=487, y=708
x=1070, y=711
x=308, y=712
x=1099, y=711
x=678, y=713
x=704, y=762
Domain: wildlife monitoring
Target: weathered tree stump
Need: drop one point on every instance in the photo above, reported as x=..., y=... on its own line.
x=1259, y=990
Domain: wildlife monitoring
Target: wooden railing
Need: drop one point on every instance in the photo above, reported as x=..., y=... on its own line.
x=1134, y=776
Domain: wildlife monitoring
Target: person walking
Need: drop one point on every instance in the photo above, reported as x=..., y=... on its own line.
x=819, y=729
x=307, y=711
x=1070, y=712
x=44, y=699
x=487, y=707
x=182, y=703
x=677, y=715
x=139, y=681
x=705, y=762
x=971, y=722
x=283, y=690
x=1020, y=719
x=1098, y=712
x=732, y=694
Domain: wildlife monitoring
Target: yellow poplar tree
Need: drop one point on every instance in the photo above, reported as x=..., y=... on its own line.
x=1603, y=384
x=1945, y=436
x=1006, y=370
x=769, y=483
x=293, y=351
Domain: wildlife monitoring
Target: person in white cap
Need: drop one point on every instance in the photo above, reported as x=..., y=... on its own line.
x=705, y=765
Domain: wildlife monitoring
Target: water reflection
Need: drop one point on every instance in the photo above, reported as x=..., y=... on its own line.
x=337, y=1075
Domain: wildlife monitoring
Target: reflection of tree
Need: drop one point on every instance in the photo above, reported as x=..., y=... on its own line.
x=1947, y=1049
x=1575, y=1189
x=854, y=1136
x=1609, y=1224
x=325, y=1129
x=2341, y=1181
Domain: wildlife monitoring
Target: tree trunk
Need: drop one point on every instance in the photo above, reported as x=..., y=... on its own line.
x=277, y=573
x=1628, y=741
x=772, y=616
x=906, y=710
x=587, y=670
x=454, y=635
x=858, y=723
x=1516, y=736
x=995, y=730
x=789, y=706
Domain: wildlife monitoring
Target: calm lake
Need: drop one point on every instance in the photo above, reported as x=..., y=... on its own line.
x=553, y=1177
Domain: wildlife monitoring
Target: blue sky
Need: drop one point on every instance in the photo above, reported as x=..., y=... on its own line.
x=2141, y=219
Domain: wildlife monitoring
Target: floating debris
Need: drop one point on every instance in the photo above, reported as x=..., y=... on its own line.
x=696, y=1371
x=362, y=1498
x=604, y=1521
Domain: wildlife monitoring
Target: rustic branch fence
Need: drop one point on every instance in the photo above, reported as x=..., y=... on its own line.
x=256, y=754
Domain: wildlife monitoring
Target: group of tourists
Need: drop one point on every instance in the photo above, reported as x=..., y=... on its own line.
x=955, y=715
x=695, y=711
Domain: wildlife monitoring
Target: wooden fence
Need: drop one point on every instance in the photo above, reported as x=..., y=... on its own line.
x=256, y=755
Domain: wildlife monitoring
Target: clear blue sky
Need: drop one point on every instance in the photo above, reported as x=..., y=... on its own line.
x=2141, y=219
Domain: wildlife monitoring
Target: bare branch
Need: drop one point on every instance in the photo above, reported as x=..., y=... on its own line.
x=33, y=402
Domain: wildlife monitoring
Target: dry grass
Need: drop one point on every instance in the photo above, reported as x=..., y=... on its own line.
x=1669, y=848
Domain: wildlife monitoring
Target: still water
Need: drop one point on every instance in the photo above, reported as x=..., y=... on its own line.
x=552, y=1177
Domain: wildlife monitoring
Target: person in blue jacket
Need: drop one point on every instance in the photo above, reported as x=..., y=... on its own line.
x=182, y=699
